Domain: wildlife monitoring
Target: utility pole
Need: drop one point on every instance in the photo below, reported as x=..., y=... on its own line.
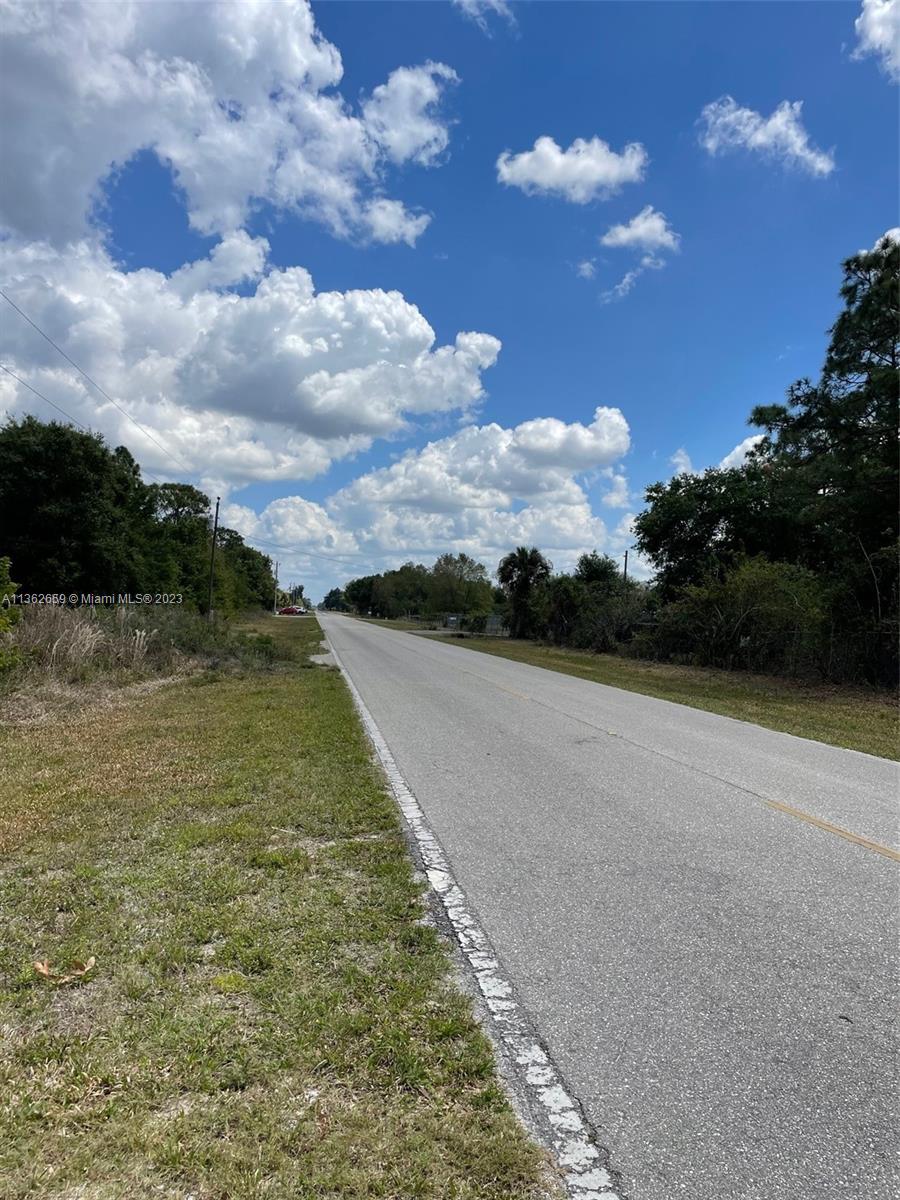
x=212, y=561
x=275, y=598
x=625, y=572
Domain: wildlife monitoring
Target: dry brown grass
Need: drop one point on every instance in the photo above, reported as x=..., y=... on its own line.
x=64, y=643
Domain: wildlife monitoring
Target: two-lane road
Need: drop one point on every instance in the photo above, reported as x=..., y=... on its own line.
x=710, y=962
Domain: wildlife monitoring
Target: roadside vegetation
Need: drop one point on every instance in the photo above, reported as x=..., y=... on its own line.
x=408, y=625
x=785, y=565
x=56, y=659
x=257, y=1003
x=77, y=517
x=120, y=644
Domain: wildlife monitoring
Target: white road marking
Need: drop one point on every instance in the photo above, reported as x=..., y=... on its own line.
x=570, y=1141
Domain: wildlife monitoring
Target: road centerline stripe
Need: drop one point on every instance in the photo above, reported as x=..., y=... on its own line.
x=820, y=823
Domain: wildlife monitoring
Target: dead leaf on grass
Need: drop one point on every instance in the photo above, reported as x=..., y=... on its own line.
x=76, y=971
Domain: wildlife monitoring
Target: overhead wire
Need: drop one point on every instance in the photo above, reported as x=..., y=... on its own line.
x=59, y=409
x=46, y=399
x=294, y=549
x=146, y=432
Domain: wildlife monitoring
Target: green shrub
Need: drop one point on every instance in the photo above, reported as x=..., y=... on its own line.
x=10, y=655
x=759, y=616
x=9, y=613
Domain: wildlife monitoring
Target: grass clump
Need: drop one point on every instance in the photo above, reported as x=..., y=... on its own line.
x=267, y=1015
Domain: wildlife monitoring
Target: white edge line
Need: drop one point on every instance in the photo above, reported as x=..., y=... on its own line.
x=576, y=1155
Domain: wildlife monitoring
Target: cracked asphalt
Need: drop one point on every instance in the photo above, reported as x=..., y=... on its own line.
x=715, y=978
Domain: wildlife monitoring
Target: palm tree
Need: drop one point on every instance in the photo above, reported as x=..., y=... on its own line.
x=519, y=573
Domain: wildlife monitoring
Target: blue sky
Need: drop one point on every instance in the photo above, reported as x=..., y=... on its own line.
x=734, y=305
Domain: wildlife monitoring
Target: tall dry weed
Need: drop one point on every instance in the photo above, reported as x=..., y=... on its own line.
x=79, y=644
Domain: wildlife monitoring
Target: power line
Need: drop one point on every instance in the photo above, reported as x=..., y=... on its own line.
x=262, y=541
x=190, y=470
x=58, y=408
x=94, y=383
x=68, y=416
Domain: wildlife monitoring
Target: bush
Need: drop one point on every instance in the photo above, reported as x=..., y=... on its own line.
x=759, y=616
x=9, y=615
x=590, y=614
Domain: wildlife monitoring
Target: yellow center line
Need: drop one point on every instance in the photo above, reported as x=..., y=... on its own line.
x=511, y=692
x=827, y=825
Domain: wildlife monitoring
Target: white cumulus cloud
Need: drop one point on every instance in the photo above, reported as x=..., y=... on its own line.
x=238, y=99
x=649, y=230
x=486, y=489
x=403, y=115
x=482, y=490
x=389, y=221
x=489, y=466
x=878, y=33
x=681, y=461
x=236, y=259
x=588, y=169
x=725, y=125
x=295, y=524
x=618, y=495
x=237, y=371
x=738, y=456
x=272, y=385
x=586, y=269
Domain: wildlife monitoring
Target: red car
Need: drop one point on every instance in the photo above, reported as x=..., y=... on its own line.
x=292, y=610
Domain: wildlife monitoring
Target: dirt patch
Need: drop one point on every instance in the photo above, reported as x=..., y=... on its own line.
x=324, y=658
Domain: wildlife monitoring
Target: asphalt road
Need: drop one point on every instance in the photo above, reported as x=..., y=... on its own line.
x=716, y=978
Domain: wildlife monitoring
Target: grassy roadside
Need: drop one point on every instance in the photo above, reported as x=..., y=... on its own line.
x=269, y=1014
x=850, y=717
x=398, y=623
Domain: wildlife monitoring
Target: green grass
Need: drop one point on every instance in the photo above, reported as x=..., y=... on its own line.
x=270, y=1013
x=399, y=623
x=850, y=717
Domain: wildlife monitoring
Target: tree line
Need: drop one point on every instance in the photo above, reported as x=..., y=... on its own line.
x=76, y=516
x=786, y=564
x=593, y=608
x=456, y=583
